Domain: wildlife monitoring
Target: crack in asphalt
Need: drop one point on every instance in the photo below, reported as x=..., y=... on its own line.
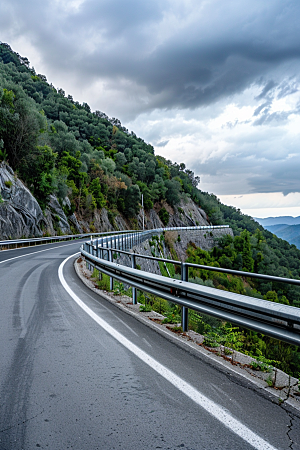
x=290, y=426
x=22, y=422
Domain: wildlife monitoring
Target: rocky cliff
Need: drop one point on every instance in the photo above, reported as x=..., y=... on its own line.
x=187, y=213
x=21, y=215
x=172, y=245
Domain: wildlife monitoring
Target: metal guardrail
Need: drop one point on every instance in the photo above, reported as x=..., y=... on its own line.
x=40, y=240
x=44, y=240
x=273, y=319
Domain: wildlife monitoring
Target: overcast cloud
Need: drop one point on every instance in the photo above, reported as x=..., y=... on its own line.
x=214, y=84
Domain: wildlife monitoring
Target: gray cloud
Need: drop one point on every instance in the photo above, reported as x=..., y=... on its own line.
x=162, y=144
x=181, y=56
x=288, y=87
x=264, y=106
x=278, y=117
x=171, y=67
x=268, y=87
x=271, y=165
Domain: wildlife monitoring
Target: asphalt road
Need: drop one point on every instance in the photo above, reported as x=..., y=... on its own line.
x=71, y=381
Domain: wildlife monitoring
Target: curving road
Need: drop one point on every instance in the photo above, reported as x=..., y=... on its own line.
x=78, y=373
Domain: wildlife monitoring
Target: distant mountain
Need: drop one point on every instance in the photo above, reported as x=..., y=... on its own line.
x=290, y=233
x=286, y=220
x=277, y=228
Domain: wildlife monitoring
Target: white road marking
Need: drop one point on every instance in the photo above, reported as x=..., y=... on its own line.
x=148, y=343
x=211, y=407
x=127, y=326
x=34, y=253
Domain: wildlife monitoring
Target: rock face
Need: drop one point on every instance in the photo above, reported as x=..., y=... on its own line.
x=56, y=218
x=187, y=214
x=21, y=216
x=204, y=239
x=178, y=241
x=20, y=213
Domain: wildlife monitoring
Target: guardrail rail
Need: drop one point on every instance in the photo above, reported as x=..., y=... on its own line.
x=272, y=319
x=16, y=243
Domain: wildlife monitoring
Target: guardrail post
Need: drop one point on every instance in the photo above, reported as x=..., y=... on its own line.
x=100, y=250
x=133, y=265
x=105, y=252
x=184, y=309
x=111, y=280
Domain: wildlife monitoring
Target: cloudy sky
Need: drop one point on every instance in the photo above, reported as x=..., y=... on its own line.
x=211, y=83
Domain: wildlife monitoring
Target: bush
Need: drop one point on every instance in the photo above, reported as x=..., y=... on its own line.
x=104, y=283
x=164, y=216
x=8, y=183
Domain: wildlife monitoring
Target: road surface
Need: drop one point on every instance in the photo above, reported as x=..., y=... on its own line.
x=78, y=373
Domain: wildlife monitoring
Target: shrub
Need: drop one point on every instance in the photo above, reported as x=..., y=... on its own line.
x=104, y=283
x=164, y=216
x=8, y=183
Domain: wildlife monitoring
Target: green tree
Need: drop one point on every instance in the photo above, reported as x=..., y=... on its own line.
x=73, y=166
x=37, y=170
x=95, y=189
x=20, y=123
x=132, y=200
x=248, y=262
x=173, y=190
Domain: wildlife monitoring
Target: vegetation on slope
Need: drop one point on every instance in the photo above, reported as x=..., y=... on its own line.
x=57, y=145
x=249, y=253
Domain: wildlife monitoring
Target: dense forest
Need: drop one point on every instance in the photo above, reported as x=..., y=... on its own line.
x=58, y=146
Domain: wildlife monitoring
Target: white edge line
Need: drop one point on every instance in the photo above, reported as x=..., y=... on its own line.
x=211, y=407
x=33, y=253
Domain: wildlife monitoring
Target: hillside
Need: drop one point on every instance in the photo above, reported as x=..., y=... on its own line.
x=285, y=227
x=290, y=233
x=287, y=220
x=64, y=168
x=87, y=169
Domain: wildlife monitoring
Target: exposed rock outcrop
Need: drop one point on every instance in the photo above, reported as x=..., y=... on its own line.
x=22, y=216
x=20, y=213
x=56, y=219
x=186, y=214
x=178, y=241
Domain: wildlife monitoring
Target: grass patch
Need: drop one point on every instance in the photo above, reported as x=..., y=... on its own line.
x=104, y=283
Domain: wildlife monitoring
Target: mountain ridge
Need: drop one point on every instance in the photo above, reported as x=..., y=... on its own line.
x=278, y=220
